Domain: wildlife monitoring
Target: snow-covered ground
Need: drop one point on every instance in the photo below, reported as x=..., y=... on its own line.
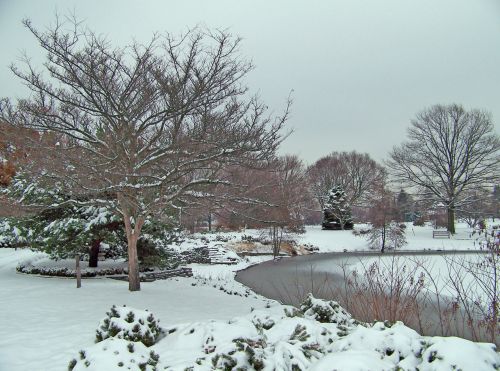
x=418, y=238
x=46, y=321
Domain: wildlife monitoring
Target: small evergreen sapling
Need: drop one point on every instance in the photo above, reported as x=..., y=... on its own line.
x=130, y=324
x=325, y=311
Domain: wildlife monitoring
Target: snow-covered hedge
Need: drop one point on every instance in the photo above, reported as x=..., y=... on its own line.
x=287, y=339
x=130, y=324
x=68, y=272
x=115, y=354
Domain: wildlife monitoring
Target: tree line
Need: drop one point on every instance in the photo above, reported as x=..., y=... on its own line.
x=168, y=131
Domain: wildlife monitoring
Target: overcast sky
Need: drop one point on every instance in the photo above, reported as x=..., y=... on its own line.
x=359, y=69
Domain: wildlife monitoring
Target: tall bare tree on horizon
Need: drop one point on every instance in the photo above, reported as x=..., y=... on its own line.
x=449, y=151
x=357, y=173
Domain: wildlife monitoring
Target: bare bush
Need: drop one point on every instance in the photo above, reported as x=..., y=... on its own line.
x=460, y=300
x=383, y=290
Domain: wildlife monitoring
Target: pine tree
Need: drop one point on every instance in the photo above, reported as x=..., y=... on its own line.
x=63, y=226
x=337, y=212
x=404, y=204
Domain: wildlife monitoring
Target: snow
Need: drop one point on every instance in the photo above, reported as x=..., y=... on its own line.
x=107, y=355
x=281, y=338
x=453, y=353
x=47, y=321
x=352, y=360
x=419, y=238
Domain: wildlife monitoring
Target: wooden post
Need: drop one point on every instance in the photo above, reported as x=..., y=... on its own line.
x=78, y=272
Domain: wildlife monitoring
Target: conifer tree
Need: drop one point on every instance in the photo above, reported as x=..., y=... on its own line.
x=337, y=212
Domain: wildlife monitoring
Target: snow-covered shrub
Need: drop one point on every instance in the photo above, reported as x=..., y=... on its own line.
x=361, y=231
x=419, y=222
x=198, y=255
x=395, y=343
x=115, y=354
x=286, y=339
x=453, y=353
x=277, y=338
x=325, y=311
x=11, y=234
x=337, y=211
x=130, y=324
x=69, y=272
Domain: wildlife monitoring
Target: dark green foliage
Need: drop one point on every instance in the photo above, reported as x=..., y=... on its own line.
x=326, y=311
x=224, y=362
x=300, y=333
x=72, y=364
x=67, y=225
x=337, y=211
x=147, y=332
x=249, y=346
x=130, y=317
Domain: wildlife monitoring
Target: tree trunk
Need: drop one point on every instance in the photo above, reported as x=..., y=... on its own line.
x=276, y=236
x=133, y=233
x=210, y=222
x=94, y=253
x=451, y=219
x=134, y=280
x=78, y=272
x=383, y=240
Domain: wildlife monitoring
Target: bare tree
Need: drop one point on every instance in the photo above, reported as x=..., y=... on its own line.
x=449, y=151
x=357, y=173
x=142, y=126
x=383, y=213
x=474, y=206
x=288, y=198
x=275, y=196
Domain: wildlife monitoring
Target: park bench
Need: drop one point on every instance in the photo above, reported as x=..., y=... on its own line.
x=438, y=233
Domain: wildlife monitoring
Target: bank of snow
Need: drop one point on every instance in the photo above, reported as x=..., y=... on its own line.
x=320, y=336
x=45, y=320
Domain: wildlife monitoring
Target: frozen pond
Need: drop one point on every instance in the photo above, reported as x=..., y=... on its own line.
x=290, y=280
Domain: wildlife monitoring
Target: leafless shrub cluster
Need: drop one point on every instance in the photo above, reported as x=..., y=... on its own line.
x=468, y=302
x=383, y=290
x=461, y=300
